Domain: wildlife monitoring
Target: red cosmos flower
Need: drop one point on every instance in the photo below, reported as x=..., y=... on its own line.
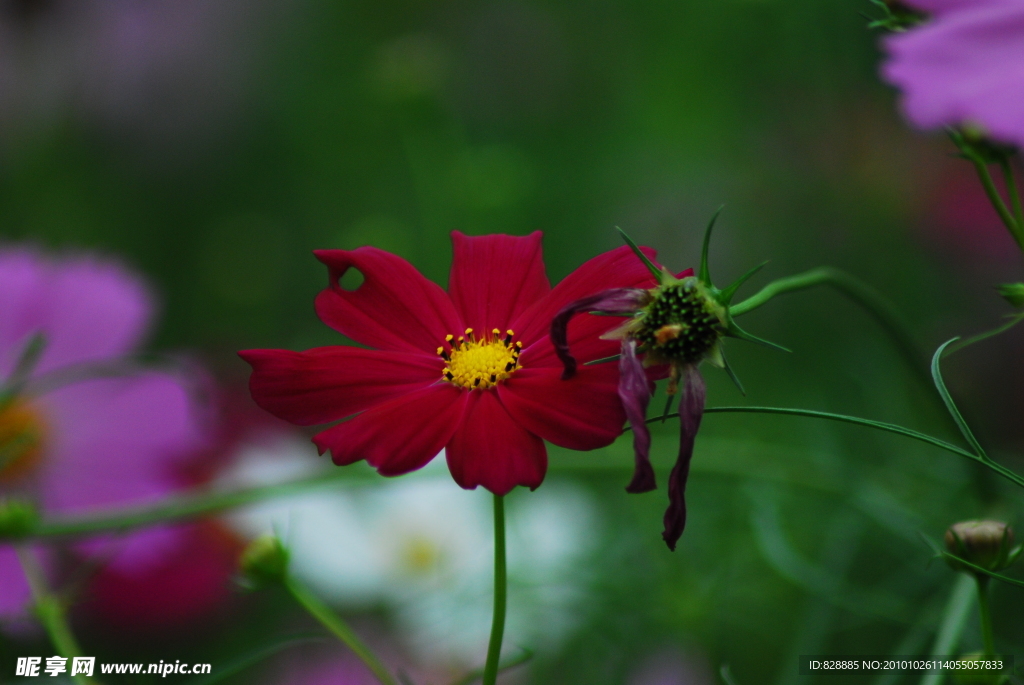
x=472, y=370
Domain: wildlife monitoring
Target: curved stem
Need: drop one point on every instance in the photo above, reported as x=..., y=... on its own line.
x=341, y=630
x=1011, y=190
x=173, y=509
x=500, y=594
x=49, y=608
x=878, y=425
x=861, y=293
x=997, y=201
x=985, y=614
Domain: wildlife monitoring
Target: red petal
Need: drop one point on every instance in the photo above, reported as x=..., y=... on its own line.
x=495, y=278
x=395, y=308
x=329, y=383
x=582, y=413
x=492, y=450
x=400, y=435
x=618, y=268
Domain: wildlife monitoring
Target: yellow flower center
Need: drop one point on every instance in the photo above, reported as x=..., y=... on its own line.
x=21, y=439
x=473, y=363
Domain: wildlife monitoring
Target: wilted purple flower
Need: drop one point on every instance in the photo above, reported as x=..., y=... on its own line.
x=964, y=66
x=73, y=439
x=676, y=326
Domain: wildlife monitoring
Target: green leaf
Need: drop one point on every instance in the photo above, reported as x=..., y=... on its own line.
x=705, y=273
x=255, y=656
x=725, y=296
x=603, y=360
x=940, y=385
x=980, y=569
x=658, y=274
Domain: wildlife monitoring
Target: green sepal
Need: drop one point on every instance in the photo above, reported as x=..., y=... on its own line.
x=659, y=274
x=725, y=296
x=705, y=272
x=734, y=331
x=729, y=370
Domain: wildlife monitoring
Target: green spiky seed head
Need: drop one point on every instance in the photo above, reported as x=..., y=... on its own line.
x=682, y=324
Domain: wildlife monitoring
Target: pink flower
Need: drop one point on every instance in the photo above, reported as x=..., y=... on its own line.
x=71, y=441
x=964, y=66
x=471, y=370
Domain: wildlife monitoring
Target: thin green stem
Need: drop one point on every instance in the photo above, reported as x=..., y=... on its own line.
x=997, y=201
x=954, y=618
x=861, y=293
x=334, y=623
x=500, y=594
x=50, y=610
x=174, y=508
x=985, y=615
x=1011, y=190
x=878, y=425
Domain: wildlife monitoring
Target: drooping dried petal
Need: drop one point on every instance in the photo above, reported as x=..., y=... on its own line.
x=691, y=411
x=635, y=394
x=618, y=302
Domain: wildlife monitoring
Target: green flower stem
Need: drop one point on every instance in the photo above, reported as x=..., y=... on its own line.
x=500, y=594
x=1016, y=230
x=954, y=618
x=49, y=608
x=334, y=623
x=861, y=293
x=1011, y=190
x=878, y=425
x=985, y=615
x=174, y=508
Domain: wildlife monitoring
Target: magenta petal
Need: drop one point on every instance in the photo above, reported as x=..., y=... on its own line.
x=329, y=383
x=14, y=592
x=395, y=308
x=494, y=278
x=691, y=411
x=635, y=393
x=88, y=309
x=116, y=441
x=492, y=450
x=583, y=413
x=963, y=66
x=618, y=268
x=400, y=435
x=621, y=302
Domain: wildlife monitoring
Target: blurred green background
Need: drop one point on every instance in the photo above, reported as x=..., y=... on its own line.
x=217, y=146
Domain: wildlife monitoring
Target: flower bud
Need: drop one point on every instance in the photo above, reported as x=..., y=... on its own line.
x=987, y=544
x=17, y=518
x=264, y=561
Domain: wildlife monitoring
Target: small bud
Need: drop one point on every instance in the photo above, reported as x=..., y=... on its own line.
x=974, y=674
x=264, y=561
x=987, y=544
x=17, y=518
x=1012, y=293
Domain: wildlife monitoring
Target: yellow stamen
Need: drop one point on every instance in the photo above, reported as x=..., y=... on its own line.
x=480, y=364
